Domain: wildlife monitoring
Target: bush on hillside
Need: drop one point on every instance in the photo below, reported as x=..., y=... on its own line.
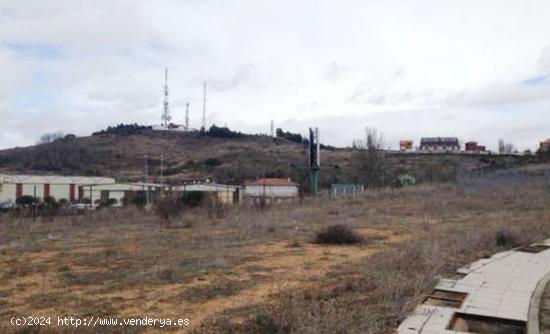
x=295, y=137
x=123, y=129
x=223, y=132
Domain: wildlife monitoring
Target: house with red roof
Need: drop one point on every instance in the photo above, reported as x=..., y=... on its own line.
x=274, y=188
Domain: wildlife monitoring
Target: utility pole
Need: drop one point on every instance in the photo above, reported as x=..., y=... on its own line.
x=187, y=116
x=161, y=169
x=34, y=205
x=146, y=182
x=314, y=159
x=204, y=108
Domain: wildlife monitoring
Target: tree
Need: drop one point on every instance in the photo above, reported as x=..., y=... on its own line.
x=223, y=132
x=374, y=139
x=501, y=146
x=505, y=148
x=370, y=160
x=295, y=137
x=51, y=137
x=124, y=129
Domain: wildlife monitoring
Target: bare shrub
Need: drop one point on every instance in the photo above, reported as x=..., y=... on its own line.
x=214, y=206
x=506, y=240
x=338, y=235
x=168, y=208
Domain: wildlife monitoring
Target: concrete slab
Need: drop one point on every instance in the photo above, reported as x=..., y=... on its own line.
x=500, y=286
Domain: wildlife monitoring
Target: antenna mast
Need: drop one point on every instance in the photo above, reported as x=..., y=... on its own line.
x=187, y=116
x=204, y=107
x=166, y=111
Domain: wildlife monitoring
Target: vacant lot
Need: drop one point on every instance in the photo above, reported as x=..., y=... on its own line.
x=252, y=271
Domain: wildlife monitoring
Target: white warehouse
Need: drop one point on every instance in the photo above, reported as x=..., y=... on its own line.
x=69, y=188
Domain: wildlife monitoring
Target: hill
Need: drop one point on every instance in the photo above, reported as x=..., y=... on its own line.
x=196, y=155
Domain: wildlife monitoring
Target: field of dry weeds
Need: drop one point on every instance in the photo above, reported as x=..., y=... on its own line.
x=244, y=270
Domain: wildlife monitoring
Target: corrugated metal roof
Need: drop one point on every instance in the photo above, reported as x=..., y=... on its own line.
x=206, y=187
x=54, y=179
x=270, y=182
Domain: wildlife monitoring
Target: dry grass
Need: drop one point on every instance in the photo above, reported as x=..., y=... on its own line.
x=251, y=271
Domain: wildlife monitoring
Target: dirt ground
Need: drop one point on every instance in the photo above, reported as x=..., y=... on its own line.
x=234, y=271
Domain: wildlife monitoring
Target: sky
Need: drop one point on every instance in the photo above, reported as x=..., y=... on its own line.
x=477, y=70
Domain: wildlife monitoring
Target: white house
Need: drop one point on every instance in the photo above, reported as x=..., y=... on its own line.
x=275, y=188
x=13, y=187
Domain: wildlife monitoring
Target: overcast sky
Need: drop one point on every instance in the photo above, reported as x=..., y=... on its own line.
x=478, y=70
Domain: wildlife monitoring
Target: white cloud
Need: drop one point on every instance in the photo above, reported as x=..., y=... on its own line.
x=410, y=68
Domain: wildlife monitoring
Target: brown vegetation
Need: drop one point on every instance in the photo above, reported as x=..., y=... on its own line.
x=248, y=271
x=192, y=155
x=338, y=235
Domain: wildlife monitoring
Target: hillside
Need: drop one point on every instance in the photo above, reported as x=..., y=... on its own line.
x=186, y=156
x=195, y=156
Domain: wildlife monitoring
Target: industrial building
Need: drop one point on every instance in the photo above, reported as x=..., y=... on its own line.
x=277, y=189
x=440, y=144
x=117, y=193
x=93, y=191
x=67, y=188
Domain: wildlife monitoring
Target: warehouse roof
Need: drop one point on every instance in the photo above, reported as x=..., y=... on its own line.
x=206, y=187
x=54, y=179
x=271, y=182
